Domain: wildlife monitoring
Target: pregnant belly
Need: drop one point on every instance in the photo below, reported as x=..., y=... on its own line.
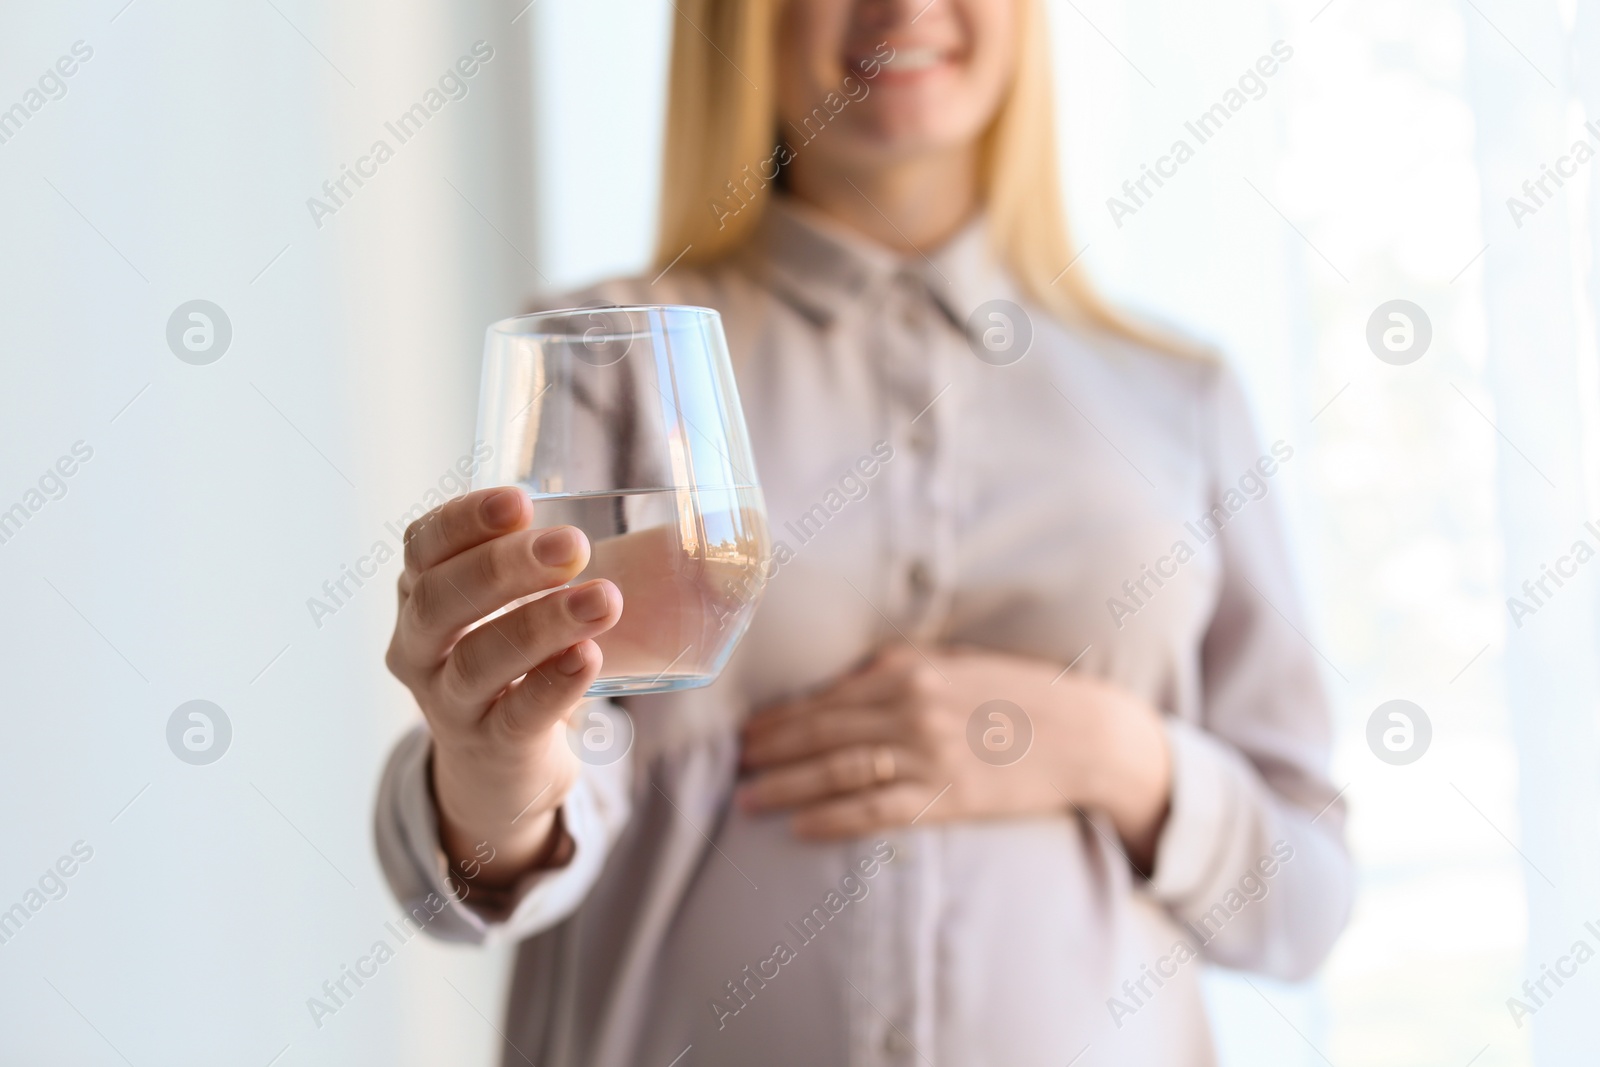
x=988, y=942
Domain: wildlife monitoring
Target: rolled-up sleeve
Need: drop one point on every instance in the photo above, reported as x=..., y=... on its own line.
x=1252, y=857
x=407, y=835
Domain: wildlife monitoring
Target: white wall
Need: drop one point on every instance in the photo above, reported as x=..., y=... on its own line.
x=180, y=561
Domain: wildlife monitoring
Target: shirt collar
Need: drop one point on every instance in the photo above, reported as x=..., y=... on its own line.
x=824, y=269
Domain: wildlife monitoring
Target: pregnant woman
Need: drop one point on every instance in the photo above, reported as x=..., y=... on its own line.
x=1025, y=729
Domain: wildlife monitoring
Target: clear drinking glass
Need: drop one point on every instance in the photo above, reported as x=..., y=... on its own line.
x=625, y=422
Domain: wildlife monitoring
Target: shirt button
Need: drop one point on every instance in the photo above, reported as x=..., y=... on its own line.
x=920, y=578
x=922, y=439
x=895, y=1042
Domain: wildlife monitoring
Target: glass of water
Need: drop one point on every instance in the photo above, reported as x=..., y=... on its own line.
x=625, y=422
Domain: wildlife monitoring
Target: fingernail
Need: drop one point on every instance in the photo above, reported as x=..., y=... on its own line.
x=556, y=548
x=572, y=661
x=502, y=508
x=589, y=604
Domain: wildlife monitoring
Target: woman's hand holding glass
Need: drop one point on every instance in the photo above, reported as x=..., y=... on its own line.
x=497, y=695
x=890, y=743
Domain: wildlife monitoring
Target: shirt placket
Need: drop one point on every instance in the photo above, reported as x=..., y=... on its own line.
x=892, y=1015
x=917, y=399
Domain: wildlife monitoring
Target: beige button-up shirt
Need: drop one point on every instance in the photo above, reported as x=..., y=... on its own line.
x=1084, y=500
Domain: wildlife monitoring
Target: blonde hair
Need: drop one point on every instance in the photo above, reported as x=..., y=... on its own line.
x=722, y=123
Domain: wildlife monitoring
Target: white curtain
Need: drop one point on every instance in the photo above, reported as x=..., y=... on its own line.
x=1538, y=290
x=1376, y=165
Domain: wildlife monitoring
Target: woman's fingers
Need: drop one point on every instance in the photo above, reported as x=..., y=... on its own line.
x=457, y=525
x=821, y=730
x=537, y=699
x=862, y=813
x=480, y=580
x=894, y=673
x=491, y=657
x=841, y=771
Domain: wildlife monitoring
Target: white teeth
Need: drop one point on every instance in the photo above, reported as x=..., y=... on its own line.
x=913, y=59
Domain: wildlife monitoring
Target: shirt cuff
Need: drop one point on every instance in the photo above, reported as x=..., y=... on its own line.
x=1209, y=784
x=537, y=901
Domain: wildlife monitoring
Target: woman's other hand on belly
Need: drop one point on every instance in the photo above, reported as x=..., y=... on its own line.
x=959, y=734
